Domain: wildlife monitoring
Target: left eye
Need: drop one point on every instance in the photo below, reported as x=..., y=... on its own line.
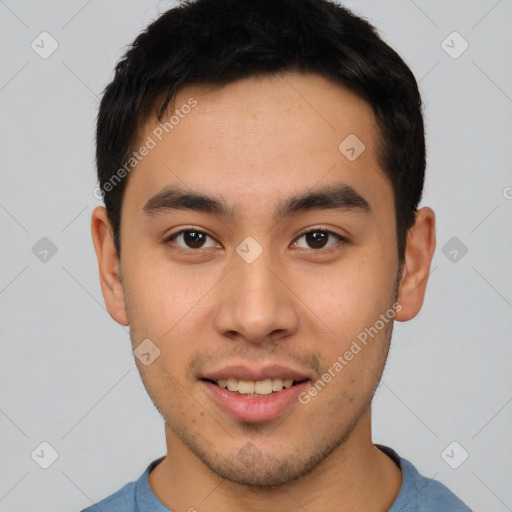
x=318, y=238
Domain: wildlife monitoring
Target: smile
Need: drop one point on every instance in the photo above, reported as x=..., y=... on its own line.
x=255, y=388
x=254, y=401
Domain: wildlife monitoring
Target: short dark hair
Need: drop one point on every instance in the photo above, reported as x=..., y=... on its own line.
x=216, y=42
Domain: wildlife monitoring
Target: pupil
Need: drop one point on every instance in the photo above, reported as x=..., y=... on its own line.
x=317, y=237
x=193, y=238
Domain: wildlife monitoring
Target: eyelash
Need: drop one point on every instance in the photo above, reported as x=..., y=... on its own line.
x=331, y=248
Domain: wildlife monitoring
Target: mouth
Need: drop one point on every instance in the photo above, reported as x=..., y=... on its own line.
x=254, y=401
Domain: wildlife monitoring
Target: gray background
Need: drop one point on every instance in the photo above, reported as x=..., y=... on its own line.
x=68, y=376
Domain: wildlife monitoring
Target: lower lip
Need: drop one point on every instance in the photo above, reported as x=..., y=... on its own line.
x=253, y=409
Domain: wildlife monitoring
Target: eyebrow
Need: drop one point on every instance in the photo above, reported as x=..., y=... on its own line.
x=340, y=197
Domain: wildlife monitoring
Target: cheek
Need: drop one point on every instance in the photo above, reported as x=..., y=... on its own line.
x=163, y=291
x=350, y=302
x=348, y=298
x=168, y=304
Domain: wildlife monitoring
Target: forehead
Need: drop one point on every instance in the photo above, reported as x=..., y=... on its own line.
x=259, y=139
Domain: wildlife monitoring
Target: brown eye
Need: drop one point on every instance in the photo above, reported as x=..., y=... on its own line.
x=190, y=239
x=319, y=239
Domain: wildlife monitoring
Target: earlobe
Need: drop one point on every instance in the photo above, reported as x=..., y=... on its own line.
x=421, y=244
x=109, y=265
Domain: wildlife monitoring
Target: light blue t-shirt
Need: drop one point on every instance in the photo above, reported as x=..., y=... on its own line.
x=417, y=494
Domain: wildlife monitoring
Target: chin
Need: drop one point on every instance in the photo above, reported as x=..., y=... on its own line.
x=250, y=467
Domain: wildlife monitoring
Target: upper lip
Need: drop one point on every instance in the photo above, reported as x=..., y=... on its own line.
x=244, y=372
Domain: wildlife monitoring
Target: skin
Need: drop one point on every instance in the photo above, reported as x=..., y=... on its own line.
x=296, y=304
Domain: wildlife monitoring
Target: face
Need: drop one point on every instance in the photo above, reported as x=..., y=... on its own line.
x=251, y=286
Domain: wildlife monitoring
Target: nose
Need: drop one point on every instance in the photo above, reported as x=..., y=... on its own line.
x=257, y=304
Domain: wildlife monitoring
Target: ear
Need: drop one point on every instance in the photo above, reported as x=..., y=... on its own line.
x=421, y=243
x=109, y=265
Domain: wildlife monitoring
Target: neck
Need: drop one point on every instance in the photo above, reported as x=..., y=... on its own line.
x=357, y=475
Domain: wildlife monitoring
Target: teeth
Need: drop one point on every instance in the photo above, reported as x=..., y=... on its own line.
x=260, y=387
x=246, y=387
x=263, y=387
x=232, y=384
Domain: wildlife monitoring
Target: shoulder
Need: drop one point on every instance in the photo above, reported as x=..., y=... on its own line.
x=421, y=494
x=121, y=501
x=431, y=494
x=132, y=497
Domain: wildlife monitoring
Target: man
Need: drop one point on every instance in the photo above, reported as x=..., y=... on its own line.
x=262, y=165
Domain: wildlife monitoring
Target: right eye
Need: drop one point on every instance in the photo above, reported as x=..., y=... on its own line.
x=191, y=239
